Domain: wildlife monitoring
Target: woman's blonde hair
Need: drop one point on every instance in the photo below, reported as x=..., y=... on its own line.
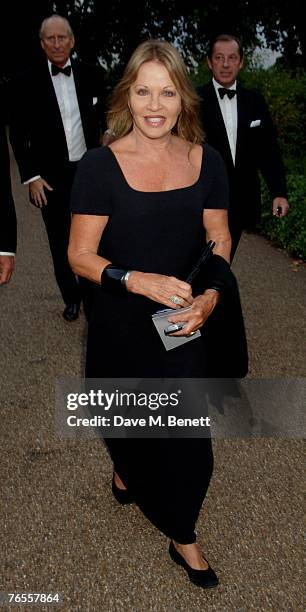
x=119, y=118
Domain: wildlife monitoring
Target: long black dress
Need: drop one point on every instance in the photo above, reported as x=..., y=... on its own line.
x=159, y=232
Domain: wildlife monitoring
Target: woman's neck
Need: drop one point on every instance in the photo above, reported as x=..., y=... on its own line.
x=149, y=146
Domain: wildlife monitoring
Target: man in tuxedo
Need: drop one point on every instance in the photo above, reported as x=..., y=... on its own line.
x=8, y=225
x=238, y=124
x=56, y=114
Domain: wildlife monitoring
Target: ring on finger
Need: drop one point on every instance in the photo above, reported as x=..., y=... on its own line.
x=175, y=299
x=191, y=334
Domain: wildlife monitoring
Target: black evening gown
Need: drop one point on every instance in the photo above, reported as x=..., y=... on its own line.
x=159, y=232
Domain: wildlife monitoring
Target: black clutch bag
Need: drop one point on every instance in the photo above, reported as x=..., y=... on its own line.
x=224, y=332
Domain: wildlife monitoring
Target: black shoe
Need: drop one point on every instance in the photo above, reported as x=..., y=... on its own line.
x=122, y=496
x=71, y=312
x=207, y=579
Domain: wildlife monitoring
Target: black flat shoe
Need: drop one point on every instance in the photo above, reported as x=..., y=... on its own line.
x=71, y=312
x=207, y=579
x=122, y=496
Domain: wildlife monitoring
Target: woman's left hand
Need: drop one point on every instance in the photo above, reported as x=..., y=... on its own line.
x=199, y=312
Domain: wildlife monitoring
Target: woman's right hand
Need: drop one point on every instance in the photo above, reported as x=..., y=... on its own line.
x=160, y=288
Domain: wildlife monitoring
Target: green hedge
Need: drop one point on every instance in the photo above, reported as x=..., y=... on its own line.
x=284, y=93
x=289, y=232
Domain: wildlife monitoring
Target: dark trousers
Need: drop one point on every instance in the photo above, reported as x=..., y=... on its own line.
x=57, y=218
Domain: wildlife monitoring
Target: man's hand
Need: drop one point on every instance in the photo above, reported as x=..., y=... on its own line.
x=7, y=265
x=280, y=207
x=37, y=193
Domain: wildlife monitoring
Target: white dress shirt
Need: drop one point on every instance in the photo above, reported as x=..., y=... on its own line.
x=229, y=113
x=67, y=100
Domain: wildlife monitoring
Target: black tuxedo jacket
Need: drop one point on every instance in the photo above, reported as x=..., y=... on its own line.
x=256, y=149
x=37, y=133
x=8, y=224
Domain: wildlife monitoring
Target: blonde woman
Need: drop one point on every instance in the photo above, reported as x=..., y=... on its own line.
x=143, y=208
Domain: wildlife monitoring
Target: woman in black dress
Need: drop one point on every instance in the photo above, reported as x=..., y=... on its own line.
x=143, y=208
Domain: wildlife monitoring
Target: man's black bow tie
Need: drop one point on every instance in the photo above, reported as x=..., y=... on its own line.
x=56, y=70
x=229, y=92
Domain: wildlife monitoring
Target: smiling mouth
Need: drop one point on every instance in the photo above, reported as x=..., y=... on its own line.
x=155, y=121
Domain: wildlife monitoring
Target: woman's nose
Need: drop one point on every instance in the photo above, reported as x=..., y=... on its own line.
x=154, y=102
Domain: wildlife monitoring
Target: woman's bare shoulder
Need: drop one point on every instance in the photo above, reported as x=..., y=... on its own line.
x=196, y=154
x=122, y=145
x=187, y=146
x=193, y=152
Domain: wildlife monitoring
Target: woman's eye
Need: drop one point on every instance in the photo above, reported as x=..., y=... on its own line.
x=168, y=93
x=142, y=92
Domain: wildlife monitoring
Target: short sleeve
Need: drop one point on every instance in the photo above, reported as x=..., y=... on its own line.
x=91, y=192
x=218, y=196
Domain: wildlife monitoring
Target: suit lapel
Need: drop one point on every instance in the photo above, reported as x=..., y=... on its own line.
x=213, y=103
x=77, y=75
x=82, y=91
x=241, y=121
x=51, y=108
x=50, y=101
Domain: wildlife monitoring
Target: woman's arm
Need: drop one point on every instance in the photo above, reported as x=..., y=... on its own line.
x=216, y=227
x=85, y=235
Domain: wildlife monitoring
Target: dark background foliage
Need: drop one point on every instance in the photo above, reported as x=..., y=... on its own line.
x=108, y=31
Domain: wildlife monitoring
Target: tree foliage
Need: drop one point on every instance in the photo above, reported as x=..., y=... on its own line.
x=284, y=92
x=283, y=25
x=109, y=32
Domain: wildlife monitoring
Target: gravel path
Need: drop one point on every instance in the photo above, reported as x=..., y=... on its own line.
x=62, y=531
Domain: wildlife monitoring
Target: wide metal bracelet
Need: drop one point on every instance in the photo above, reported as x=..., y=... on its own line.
x=111, y=278
x=125, y=278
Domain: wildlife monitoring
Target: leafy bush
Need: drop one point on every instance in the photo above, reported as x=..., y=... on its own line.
x=284, y=93
x=289, y=232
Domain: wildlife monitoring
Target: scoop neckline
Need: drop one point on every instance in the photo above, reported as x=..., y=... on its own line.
x=165, y=190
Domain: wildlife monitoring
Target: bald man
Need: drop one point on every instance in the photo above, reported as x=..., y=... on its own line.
x=57, y=108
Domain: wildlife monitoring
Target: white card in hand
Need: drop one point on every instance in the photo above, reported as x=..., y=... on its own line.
x=160, y=320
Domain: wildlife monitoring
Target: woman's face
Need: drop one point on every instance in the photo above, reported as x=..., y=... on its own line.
x=154, y=101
